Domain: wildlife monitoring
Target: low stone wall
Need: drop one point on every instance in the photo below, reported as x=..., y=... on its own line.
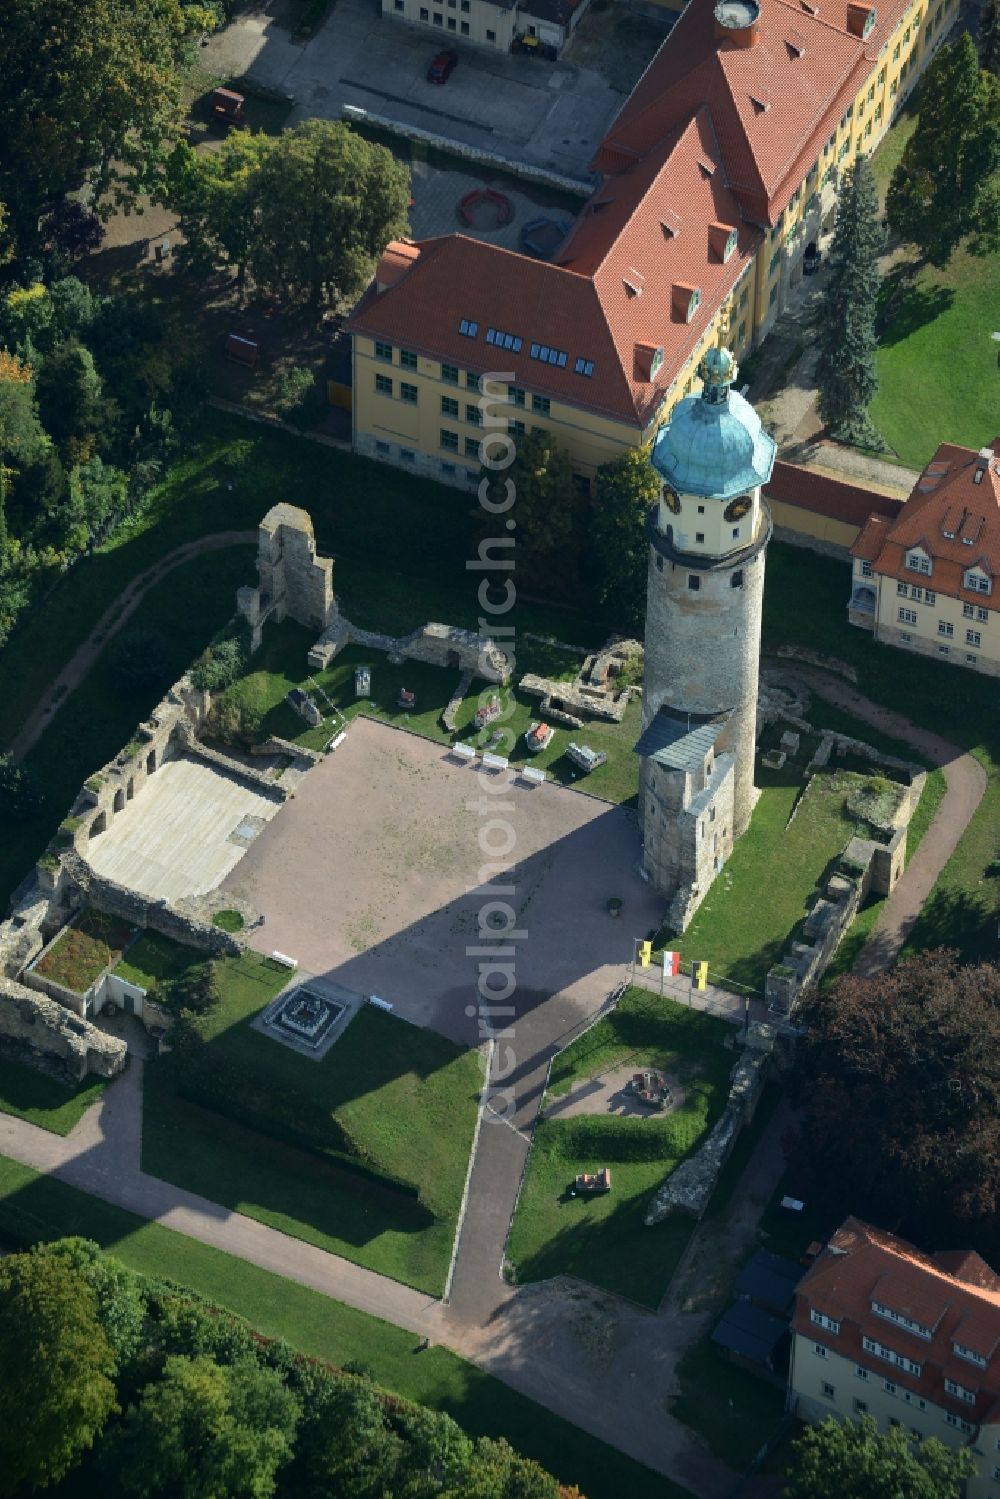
x=145, y=911
x=689, y=1188
x=39, y=1033
x=257, y=779
x=436, y=644
x=278, y=746
x=68, y=998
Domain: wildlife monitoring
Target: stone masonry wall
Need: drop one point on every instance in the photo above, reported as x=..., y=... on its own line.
x=145, y=911
x=37, y=1032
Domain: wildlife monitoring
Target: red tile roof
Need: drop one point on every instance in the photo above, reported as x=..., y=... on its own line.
x=773, y=104
x=822, y=495
x=953, y=514
x=862, y=1264
x=611, y=291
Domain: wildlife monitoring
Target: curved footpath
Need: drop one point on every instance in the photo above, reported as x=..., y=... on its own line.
x=108, y=626
x=604, y=1363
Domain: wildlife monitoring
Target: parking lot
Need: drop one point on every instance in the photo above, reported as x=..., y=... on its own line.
x=525, y=109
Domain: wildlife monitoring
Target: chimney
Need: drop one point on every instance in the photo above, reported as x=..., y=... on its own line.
x=736, y=22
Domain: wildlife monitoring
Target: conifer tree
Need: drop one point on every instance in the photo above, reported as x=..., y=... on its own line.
x=847, y=343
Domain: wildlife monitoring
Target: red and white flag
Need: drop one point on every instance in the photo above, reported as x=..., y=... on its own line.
x=671, y=964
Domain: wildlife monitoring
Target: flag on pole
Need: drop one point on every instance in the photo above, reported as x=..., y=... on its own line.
x=645, y=954
x=700, y=975
x=671, y=964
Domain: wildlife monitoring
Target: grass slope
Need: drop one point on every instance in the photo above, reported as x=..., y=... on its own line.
x=34, y=1207
x=42, y=1100
x=406, y=1097
x=603, y=1239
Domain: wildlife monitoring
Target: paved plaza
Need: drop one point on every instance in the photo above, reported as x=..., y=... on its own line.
x=547, y=114
x=372, y=878
x=187, y=827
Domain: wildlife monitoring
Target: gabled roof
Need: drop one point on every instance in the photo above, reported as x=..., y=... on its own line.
x=773, y=104
x=610, y=292
x=823, y=495
x=862, y=1265
x=952, y=514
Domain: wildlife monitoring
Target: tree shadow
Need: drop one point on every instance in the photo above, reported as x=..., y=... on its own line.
x=907, y=307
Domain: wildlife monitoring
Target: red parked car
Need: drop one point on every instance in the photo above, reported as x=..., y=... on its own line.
x=442, y=67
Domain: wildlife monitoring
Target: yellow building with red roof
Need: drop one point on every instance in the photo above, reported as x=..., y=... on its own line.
x=929, y=579
x=716, y=174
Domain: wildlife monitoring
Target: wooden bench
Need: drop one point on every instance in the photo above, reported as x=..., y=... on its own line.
x=284, y=959
x=495, y=762
x=531, y=775
x=463, y=751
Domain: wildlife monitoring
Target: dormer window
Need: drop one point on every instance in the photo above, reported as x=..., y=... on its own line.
x=820, y=1319
x=685, y=300
x=970, y=1355
x=959, y=1391
x=918, y=561
x=723, y=239
x=881, y=1310
x=976, y=580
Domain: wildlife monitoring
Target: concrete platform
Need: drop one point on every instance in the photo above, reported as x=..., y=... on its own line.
x=179, y=836
x=373, y=878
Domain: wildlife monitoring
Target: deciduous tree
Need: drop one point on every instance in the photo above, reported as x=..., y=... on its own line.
x=326, y=204
x=201, y=1431
x=89, y=90
x=840, y=1458
x=625, y=489
x=899, y=1077
x=846, y=325
x=215, y=194
x=56, y=1370
x=945, y=189
x=546, y=544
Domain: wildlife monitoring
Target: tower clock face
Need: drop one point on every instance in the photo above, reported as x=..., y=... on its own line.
x=671, y=499
x=738, y=508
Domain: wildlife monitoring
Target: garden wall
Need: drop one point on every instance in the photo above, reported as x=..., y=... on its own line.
x=39, y=1033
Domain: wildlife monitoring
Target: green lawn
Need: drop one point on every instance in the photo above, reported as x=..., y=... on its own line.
x=734, y=1410
x=154, y=960
x=804, y=604
x=740, y=934
x=396, y=1100
x=42, y=1100
x=35, y=1207
x=83, y=951
x=603, y=1239
x=937, y=364
x=280, y=664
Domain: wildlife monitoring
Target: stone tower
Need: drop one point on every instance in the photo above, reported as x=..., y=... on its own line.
x=707, y=535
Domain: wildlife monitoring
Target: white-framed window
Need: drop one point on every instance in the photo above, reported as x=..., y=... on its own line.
x=918, y=562
x=945, y=627
x=973, y=637
x=959, y=1391
x=968, y=612
x=907, y=616
x=866, y=569
x=891, y=1356
x=820, y=1350
x=820, y=1319
x=959, y=1422
x=827, y=1390
x=860, y=1406
x=889, y=1387
x=861, y=1371
x=930, y=597
x=982, y=615
x=902, y=589
x=977, y=581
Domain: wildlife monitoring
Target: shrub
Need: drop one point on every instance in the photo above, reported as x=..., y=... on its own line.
x=141, y=659
x=220, y=665
x=21, y=794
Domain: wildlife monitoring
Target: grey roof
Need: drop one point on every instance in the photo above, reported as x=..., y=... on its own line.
x=750, y=1332
x=769, y=1279
x=681, y=740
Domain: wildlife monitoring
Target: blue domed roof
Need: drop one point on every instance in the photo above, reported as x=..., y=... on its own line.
x=714, y=443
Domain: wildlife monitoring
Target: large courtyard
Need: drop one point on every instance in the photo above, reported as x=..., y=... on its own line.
x=372, y=877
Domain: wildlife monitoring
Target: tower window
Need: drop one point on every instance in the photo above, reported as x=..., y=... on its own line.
x=736, y=533
x=694, y=582
x=701, y=510
x=736, y=581
x=699, y=536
